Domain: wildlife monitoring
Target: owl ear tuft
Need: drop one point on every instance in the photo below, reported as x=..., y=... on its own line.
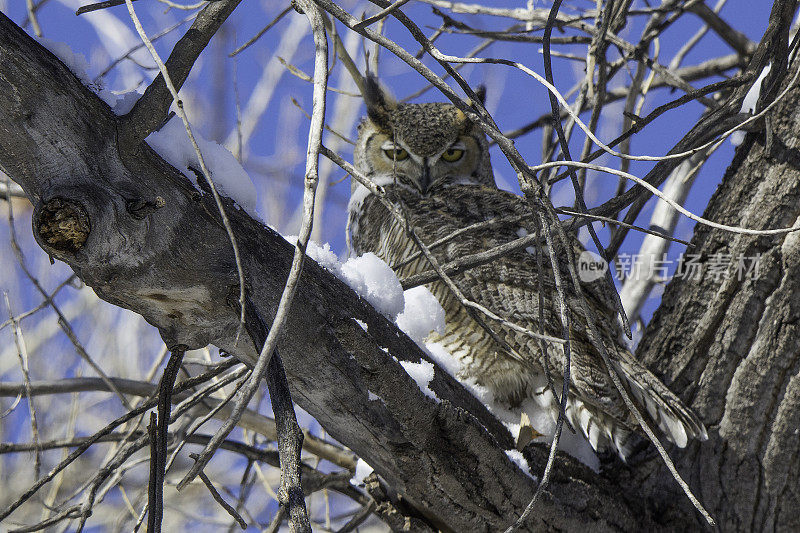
x=380, y=104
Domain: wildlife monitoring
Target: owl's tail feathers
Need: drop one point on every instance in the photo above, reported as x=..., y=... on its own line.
x=603, y=432
x=667, y=411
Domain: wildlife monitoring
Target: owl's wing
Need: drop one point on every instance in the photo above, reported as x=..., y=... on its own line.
x=665, y=409
x=509, y=286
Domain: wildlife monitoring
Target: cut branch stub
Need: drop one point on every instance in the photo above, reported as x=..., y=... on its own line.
x=61, y=225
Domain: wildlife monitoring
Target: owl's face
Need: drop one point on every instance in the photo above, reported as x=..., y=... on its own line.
x=389, y=159
x=422, y=147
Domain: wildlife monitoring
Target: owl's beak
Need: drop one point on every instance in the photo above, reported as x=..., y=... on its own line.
x=425, y=179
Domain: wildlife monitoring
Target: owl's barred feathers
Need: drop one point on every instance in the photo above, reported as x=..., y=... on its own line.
x=440, y=196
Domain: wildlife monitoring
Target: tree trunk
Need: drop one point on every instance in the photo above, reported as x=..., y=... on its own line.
x=732, y=346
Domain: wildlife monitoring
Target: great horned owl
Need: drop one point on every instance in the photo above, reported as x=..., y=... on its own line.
x=434, y=164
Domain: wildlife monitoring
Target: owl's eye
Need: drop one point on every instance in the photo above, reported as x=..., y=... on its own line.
x=396, y=154
x=451, y=155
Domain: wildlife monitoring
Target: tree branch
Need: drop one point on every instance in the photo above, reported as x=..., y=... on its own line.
x=151, y=109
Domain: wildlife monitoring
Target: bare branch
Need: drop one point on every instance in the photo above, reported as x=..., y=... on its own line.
x=151, y=109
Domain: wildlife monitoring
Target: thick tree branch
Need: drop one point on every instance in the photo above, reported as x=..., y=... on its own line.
x=736, y=39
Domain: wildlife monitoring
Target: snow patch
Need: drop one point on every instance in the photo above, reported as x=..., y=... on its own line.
x=517, y=458
x=78, y=65
x=74, y=61
x=422, y=373
x=172, y=143
x=124, y=102
x=368, y=275
x=321, y=253
x=443, y=358
x=371, y=396
x=361, y=323
x=374, y=281
x=737, y=137
x=421, y=314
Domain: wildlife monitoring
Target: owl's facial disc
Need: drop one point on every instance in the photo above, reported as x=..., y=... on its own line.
x=423, y=173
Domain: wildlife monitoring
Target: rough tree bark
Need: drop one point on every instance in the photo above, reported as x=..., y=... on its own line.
x=144, y=238
x=733, y=346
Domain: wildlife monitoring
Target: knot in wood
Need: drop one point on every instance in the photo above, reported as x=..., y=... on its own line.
x=63, y=225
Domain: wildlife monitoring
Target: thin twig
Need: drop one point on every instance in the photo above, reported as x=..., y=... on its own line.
x=251, y=420
x=99, y=5
x=22, y=353
x=257, y=36
x=158, y=446
x=220, y=500
x=382, y=14
x=133, y=413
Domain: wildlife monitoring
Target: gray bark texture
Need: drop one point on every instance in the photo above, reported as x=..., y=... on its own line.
x=733, y=346
x=137, y=231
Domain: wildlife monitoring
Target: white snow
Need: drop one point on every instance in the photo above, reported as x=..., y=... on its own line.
x=443, y=358
x=422, y=373
x=517, y=457
x=374, y=281
x=737, y=137
x=321, y=253
x=371, y=396
x=362, y=471
x=368, y=275
x=74, y=61
x=751, y=98
x=172, y=143
x=521, y=233
x=421, y=314
x=124, y=102
x=361, y=323
x=749, y=103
